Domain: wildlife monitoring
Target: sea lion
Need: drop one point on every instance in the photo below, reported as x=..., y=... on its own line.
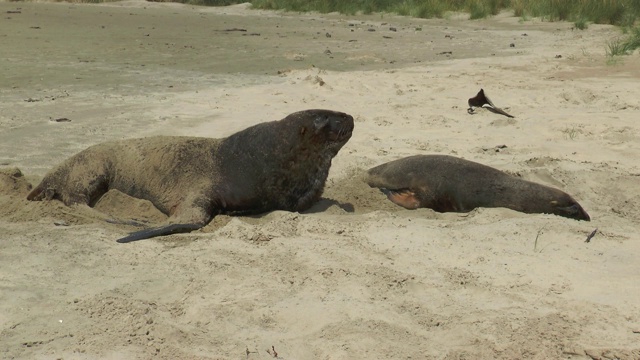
x=449, y=184
x=481, y=100
x=277, y=165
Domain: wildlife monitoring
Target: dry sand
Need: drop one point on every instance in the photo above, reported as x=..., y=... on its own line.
x=356, y=277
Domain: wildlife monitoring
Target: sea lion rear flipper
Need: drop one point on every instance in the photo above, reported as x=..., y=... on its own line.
x=405, y=198
x=159, y=231
x=186, y=217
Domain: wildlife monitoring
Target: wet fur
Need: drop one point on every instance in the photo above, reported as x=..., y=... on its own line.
x=449, y=184
x=278, y=165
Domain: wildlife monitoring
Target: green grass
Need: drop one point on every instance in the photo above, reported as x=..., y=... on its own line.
x=582, y=12
x=624, y=46
x=623, y=13
x=581, y=24
x=616, y=12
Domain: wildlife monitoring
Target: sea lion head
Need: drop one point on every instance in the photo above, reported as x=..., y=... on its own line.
x=568, y=207
x=324, y=128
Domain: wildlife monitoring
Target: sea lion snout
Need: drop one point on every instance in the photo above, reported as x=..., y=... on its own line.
x=573, y=211
x=336, y=126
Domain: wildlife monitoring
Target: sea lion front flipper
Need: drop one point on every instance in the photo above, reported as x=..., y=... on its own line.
x=405, y=198
x=159, y=231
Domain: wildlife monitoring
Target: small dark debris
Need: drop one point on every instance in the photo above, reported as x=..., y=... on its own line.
x=234, y=29
x=496, y=148
x=445, y=53
x=387, y=37
x=448, y=36
x=32, y=100
x=327, y=35
x=590, y=236
x=525, y=34
x=393, y=29
x=558, y=56
x=35, y=27
x=14, y=12
x=512, y=45
x=353, y=40
x=251, y=34
x=327, y=52
x=63, y=119
x=32, y=343
x=371, y=29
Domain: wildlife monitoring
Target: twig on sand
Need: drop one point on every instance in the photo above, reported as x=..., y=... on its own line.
x=250, y=352
x=272, y=352
x=535, y=243
x=593, y=233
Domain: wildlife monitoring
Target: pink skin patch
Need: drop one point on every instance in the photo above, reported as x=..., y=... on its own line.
x=407, y=199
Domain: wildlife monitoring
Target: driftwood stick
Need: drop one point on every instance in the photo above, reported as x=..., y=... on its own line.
x=593, y=233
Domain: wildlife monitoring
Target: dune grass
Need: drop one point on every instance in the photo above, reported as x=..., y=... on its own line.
x=615, y=12
x=624, y=46
x=623, y=13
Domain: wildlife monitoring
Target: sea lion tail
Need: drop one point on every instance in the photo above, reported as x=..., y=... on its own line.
x=159, y=231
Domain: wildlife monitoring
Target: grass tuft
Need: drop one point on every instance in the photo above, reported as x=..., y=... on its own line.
x=626, y=46
x=623, y=13
x=581, y=23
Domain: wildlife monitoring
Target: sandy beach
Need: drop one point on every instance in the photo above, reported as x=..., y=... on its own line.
x=355, y=277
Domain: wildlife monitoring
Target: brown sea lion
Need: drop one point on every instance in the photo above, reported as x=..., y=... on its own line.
x=481, y=100
x=449, y=184
x=278, y=165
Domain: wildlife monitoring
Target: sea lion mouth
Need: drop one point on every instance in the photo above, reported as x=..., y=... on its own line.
x=343, y=134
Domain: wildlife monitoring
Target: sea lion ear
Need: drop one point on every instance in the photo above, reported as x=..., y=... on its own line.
x=320, y=122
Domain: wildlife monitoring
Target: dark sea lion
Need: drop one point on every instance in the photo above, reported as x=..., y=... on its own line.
x=449, y=184
x=481, y=100
x=278, y=165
